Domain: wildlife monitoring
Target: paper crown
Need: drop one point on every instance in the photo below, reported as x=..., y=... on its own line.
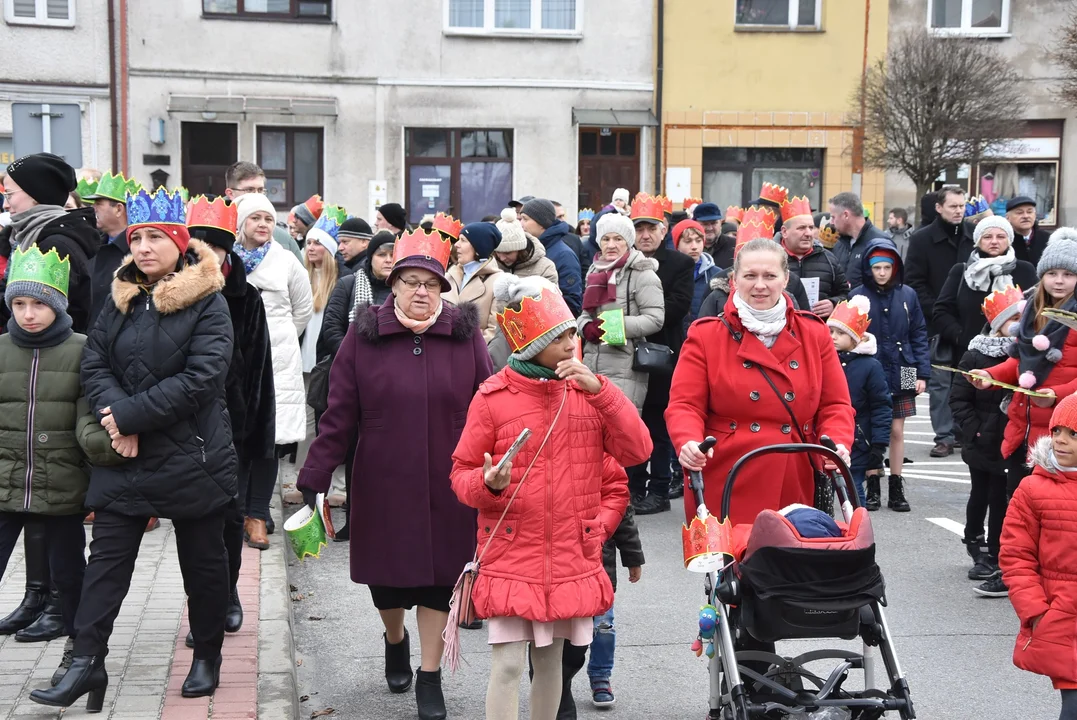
x=690, y=201
x=116, y=187
x=794, y=206
x=33, y=266
x=706, y=542
x=646, y=207
x=422, y=244
x=976, y=205
x=756, y=223
x=448, y=224
x=332, y=217
x=315, y=205
x=734, y=213
x=161, y=208
x=1001, y=300
x=585, y=214
x=536, y=317
x=773, y=193
x=182, y=192
x=829, y=236
x=852, y=316
x=86, y=188
x=217, y=214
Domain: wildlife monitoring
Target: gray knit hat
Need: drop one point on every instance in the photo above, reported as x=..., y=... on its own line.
x=1060, y=253
x=541, y=211
x=992, y=221
x=512, y=289
x=613, y=222
x=38, y=291
x=512, y=233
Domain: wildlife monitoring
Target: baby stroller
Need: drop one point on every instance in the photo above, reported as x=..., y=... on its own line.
x=778, y=585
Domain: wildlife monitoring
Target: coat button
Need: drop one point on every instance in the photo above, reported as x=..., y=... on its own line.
x=487, y=528
x=508, y=531
x=794, y=364
x=43, y=437
x=418, y=340
x=733, y=426
x=786, y=429
x=754, y=395
x=418, y=351
x=747, y=364
x=790, y=397
x=755, y=427
x=587, y=529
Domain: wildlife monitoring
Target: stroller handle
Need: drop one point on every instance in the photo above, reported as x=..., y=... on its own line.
x=786, y=449
x=696, y=476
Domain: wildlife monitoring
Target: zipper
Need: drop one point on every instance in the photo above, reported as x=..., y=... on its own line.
x=30, y=410
x=548, y=561
x=198, y=437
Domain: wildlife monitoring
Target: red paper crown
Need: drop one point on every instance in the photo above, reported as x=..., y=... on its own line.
x=422, y=244
x=1000, y=300
x=315, y=205
x=853, y=315
x=794, y=206
x=706, y=537
x=690, y=201
x=734, y=213
x=756, y=223
x=646, y=207
x=448, y=225
x=536, y=317
x=217, y=214
x=773, y=193
x=667, y=205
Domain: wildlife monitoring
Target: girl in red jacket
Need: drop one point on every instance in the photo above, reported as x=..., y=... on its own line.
x=1037, y=559
x=540, y=578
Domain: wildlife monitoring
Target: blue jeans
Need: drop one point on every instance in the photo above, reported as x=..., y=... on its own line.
x=600, y=666
x=858, y=482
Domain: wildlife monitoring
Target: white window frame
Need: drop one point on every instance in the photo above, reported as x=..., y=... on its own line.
x=794, y=20
x=41, y=16
x=966, y=22
x=488, y=28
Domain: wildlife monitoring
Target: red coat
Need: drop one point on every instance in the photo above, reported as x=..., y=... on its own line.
x=718, y=390
x=1062, y=379
x=1040, y=569
x=545, y=563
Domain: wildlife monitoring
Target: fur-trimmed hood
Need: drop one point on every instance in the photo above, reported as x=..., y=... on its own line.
x=868, y=346
x=374, y=322
x=1041, y=455
x=720, y=282
x=199, y=277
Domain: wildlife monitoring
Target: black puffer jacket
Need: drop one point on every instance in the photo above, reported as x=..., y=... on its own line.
x=958, y=316
x=625, y=539
x=339, y=309
x=102, y=268
x=160, y=360
x=933, y=251
x=821, y=263
x=978, y=413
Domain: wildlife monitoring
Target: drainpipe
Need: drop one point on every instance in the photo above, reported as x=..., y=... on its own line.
x=112, y=88
x=658, y=96
x=858, y=133
x=124, y=86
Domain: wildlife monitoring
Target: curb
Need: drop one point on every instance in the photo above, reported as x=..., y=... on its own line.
x=278, y=688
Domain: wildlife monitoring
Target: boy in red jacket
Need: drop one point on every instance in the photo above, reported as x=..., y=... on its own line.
x=1037, y=559
x=540, y=538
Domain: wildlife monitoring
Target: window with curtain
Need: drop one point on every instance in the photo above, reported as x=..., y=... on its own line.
x=537, y=16
x=466, y=173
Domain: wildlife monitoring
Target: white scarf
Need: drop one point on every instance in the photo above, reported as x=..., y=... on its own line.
x=764, y=324
x=988, y=274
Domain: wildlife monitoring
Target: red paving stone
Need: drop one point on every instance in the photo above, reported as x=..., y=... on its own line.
x=237, y=697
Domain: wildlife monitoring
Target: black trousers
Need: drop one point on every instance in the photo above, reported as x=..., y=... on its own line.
x=1017, y=469
x=660, y=464
x=256, y=480
x=988, y=494
x=65, y=545
x=113, y=551
x=233, y=540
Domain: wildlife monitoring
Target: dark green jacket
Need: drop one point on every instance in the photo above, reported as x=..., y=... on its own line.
x=44, y=418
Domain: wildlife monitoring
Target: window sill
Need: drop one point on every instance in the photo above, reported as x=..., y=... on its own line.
x=34, y=22
x=963, y=33
x=809, y=29
x=268, y=18
x=514, y=34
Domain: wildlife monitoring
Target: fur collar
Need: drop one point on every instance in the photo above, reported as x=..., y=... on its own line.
x=990, y=345
x=199, y=277
x=720, y=282
x=463, y=320
x=869, y=346
x=1041, y=455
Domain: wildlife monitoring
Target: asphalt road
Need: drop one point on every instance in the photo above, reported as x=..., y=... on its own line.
x=954, y=645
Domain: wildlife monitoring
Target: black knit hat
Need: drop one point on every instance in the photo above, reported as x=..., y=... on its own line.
x=541, y=211
x=355, y=227
x=394, y=215
x=44, y=177
x=380, y=238
x=214, y=236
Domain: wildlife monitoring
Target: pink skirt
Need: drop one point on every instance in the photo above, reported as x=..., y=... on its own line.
x=577, y=631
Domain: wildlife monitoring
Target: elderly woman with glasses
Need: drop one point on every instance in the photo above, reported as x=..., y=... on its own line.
x=402, y=381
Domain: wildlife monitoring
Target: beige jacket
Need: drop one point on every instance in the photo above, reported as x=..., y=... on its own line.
x=479, y=290
x=537, y=264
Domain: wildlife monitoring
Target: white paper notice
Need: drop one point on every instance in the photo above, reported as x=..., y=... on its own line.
x=811, y=289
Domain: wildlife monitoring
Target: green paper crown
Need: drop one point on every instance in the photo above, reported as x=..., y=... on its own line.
x=116, y=187
x=48, y=269
x=182, y=192
x=335, y=212
x=86, y=188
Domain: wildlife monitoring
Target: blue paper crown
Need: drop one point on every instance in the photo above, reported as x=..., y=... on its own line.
x=585, y=214
x=976, y=205
x=160, y=208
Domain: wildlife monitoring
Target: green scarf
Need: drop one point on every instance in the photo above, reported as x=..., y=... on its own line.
x=531, y=370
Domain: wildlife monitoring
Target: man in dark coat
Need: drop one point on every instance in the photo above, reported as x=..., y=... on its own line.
x=1029, y=239
x=574, y=241
x=809, y=259
x=933, y=250
x=677, y=273
x=856, y=231
x=539, y=218
x=353, y=239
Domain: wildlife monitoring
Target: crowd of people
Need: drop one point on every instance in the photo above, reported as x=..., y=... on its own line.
x=192, y=343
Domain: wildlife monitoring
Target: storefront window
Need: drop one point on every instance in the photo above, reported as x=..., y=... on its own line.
x=734, y=176
x=465, y=173
x=1000, y=182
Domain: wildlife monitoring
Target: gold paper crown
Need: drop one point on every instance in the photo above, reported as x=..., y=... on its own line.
x=773, y=193
x=536, y=317
x=1000, y=300
x=420, y=243
x=853, y=315
x=217, y=214
x=646, y=207
x=795, y=206
x=734, y=213
x=448, y=225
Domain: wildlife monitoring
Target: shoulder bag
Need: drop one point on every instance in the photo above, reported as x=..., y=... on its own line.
x=650, y=357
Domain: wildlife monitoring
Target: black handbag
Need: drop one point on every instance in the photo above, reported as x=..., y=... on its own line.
x=651, y=357
x=942, y=352
x=318, y=384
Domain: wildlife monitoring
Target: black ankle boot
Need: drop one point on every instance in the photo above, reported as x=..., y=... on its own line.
x=65, y=662
x=33, y=602
x=48, y=626
x=202, y=679
x=428, y=697
x=86, y=675
x=398, y=665
x=896, y=499
x=874, y=494
x=233, y=616
x=189, y=640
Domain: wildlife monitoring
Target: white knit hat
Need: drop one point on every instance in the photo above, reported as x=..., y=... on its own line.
x=248, y=205
x=512, y=233
x=989, y=222
x=621, y=194
x=616, y=223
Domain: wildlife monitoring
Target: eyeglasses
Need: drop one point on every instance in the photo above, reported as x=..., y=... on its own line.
x=260, y=191
x=8, y=195
x=413, y=284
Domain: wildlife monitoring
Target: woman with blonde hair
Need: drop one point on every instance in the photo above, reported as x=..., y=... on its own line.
x=323, y=271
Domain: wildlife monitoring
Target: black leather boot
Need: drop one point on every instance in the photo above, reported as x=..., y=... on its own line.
x=189, y=640
x=37, y=581
x=896, y=499
x=233, y=615
x=202, y=679
x=398, y=665
x=428, y=697
x=85, y=676
x=48, y=626
x=874, y=494
x=65, y=662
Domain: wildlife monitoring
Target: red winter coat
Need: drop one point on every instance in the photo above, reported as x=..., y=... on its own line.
x=718, y=390
x=1029, y=422
x=545, y=563
x=1040, y=569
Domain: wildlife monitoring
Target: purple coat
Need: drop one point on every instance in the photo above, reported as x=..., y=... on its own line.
x=407, y=396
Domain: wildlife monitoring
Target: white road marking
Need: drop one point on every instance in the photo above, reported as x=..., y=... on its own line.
x=920, y=476
x=948, y=524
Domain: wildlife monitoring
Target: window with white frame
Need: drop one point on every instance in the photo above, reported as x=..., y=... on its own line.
x=779, y=14
x=512, y=16
x=969, y=17
x=60, y=13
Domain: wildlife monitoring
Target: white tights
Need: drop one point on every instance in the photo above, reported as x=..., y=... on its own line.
x=507, y=663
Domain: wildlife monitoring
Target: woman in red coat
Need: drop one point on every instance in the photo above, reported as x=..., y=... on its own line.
x=541, y=578
x=1037, y=559
x=719, y=389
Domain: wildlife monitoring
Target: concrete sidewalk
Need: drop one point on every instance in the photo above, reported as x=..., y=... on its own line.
x=147, y=659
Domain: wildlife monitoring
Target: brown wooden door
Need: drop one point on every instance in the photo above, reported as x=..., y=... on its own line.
x=208, y=150
x=609, y=159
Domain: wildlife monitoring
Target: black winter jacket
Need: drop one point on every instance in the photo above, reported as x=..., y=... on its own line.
x=338, y=311
x=677, y=273
x=103, y=267
x=1033, y=248
x=958, y=316
x=978, y=414
x=933, y=251
x=159, y=360
x=821, y=263
x=626, y=540
x=723, y=251
x=714, y=304
x=869, y=394
x=850, y=251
